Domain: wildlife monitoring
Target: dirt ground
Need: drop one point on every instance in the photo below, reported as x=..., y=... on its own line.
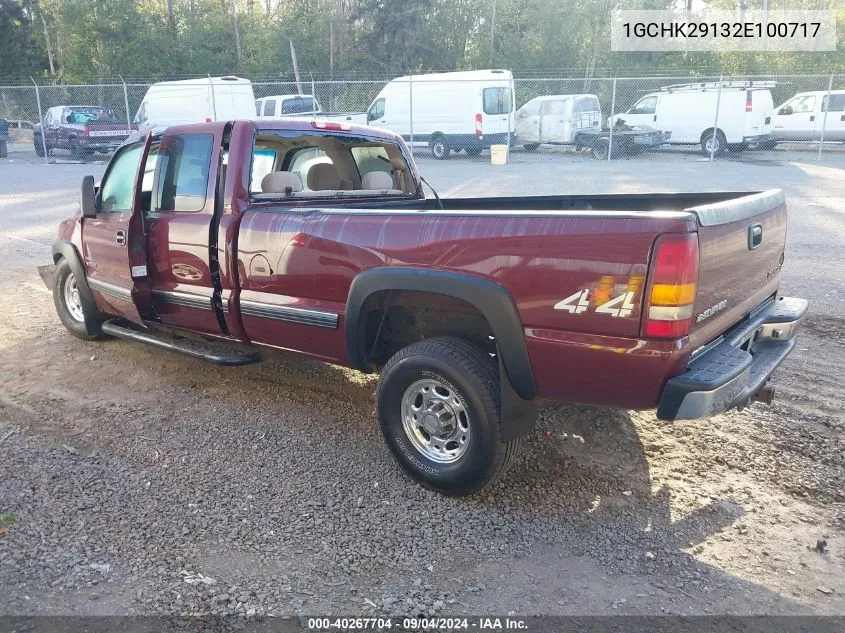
x=136, y=481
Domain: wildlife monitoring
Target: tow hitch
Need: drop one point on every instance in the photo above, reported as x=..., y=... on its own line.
x=765, y=394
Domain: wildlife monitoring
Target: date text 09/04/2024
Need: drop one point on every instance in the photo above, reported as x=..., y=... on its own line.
x=415, y=624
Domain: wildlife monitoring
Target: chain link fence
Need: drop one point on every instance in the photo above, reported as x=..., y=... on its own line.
x=543, y=118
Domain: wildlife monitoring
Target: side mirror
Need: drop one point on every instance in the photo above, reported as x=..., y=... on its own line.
x=787, y=110
x=87, y=198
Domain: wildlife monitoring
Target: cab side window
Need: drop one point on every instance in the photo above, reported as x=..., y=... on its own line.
x=646, y=105
x=118, y=188
x=376, y=110
x=182, y=172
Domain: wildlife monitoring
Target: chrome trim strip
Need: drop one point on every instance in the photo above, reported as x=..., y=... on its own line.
x=184, y=299
x=286, y=313
x=110, y=289
x=738, y=208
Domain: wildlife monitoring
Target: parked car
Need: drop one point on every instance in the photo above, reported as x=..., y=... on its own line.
x=4, y=138
x=471, y=308
x=287, y=105
x=556, y=119
x=81, y=129
x=688, y=112
x=196, y=101
x=469, y=110
x=801, y=118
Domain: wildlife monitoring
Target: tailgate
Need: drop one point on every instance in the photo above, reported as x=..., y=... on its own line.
x=741, y=249
x=108, y=130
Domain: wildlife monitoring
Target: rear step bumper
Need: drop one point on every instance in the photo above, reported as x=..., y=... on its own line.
x=733, y=372
x=207, y=351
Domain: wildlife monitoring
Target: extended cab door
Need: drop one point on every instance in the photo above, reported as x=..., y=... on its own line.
x=180, y=222
x=113, y=244
x=553, y=125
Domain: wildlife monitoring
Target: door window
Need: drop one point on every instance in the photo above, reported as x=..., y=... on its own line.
x=646, y=105
x=800, y=104
x=532, y=108
x=183, y=164
x=269, y=107
x=837, y=103
x=376, y=110
x=496, y=100
x=118, y=187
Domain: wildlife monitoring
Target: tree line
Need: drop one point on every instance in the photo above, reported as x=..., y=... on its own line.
x=88, y=41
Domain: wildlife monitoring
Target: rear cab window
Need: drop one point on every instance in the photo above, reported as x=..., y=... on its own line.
x=311, y=165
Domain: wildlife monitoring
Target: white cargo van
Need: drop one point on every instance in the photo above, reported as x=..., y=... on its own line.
x=452, y=111
x=287, y=105
x=801, y=118
x=196, y=101
x=556, y=119
x=688, y=111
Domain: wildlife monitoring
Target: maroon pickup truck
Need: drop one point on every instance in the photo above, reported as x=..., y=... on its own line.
x=223, y=240
x=80, y=129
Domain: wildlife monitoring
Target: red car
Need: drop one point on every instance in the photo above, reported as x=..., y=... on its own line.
x=316, y=238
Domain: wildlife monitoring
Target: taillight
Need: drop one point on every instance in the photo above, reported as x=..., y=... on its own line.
x=672, y=287
x=478, y=131
x=748, y=94
x=86, y=131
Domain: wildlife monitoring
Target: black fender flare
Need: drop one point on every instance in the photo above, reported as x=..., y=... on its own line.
x=491, y=299
x=62, y=249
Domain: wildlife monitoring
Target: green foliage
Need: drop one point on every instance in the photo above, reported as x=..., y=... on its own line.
x=99, y=40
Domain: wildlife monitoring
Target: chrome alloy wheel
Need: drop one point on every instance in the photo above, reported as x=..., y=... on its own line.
x=435, y=420
x=72, y=299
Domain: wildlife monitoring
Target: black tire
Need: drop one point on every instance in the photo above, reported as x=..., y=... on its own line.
x=530, y=147
x=600, y=148
x=78, y=151
x=439, y=148
x=472, y=151
x=74, y=325
x=472, y=377
x=721, y=142
x=39, y=145
x=4, y=149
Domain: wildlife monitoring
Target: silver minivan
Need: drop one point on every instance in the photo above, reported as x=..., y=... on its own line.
x=556, y=119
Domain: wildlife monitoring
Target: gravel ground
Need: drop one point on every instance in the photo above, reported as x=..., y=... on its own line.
x=135, y=481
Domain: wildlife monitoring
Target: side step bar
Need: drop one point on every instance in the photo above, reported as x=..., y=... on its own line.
x=209, y=352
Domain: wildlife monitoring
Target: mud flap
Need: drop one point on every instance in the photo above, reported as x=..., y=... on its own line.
x=518, y=415
x=47, y=272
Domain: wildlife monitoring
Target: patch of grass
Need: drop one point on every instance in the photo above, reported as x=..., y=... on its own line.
x=7, y=518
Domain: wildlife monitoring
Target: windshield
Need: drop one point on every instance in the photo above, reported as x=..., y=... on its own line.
x=80, y=116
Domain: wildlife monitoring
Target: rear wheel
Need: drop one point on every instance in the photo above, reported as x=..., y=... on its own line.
x=439, y=148
x=70, y=307
x=78, y=151
x=600, y=148
x=439, y=411
x=38, y=142
x=713, y=143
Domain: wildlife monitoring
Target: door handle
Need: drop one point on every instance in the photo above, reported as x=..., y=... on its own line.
x=120, y=238
x=842, y=118
x=755, y=235
x=655, y=117
x=812, y=117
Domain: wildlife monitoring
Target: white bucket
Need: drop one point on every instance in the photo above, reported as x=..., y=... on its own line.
x=498, y=154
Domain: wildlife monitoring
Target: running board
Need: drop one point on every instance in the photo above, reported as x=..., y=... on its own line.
x=207, y=351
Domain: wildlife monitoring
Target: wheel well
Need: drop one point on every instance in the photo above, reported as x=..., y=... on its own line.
x=393, y=319
x=438, y=136
x=707, y=131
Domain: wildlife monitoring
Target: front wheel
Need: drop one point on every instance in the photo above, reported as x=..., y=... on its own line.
x=439, y=412
x=39, y=145
x=70, y=306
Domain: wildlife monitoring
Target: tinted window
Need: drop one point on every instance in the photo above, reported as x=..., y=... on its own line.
x=837, y=103
x=532, y=108
x=497, y=100
x=298, y=105
x=269, y=107
x=183, y=172
x=118, y=188
x=646, y=105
